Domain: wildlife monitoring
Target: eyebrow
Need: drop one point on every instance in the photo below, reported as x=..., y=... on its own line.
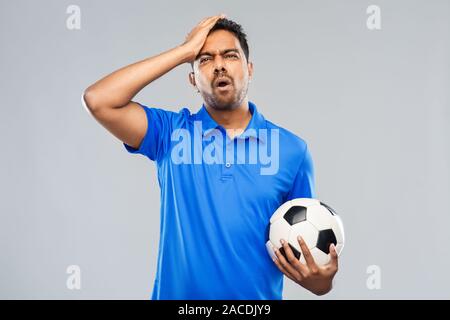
x=206, y=53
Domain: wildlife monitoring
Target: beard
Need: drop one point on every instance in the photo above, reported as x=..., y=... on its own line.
x=225, y=101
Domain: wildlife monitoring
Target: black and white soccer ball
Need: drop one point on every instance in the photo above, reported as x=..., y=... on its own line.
x=317, y=223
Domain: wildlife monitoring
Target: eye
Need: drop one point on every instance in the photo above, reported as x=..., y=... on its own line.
x=231, y=56
x=204, y=59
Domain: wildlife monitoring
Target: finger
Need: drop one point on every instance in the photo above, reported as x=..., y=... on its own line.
x=283, y=270
x=334, y=257
x=221, y=16
x=212, y=18
x=286, y=265
x=204, y=20
x=288, y=251
x=302, y=269
x=307, y=254
x=206, y=23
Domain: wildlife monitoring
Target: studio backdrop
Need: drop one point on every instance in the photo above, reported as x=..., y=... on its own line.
x=365, y=83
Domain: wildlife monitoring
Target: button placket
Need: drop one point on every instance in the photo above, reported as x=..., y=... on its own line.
x=227, y=167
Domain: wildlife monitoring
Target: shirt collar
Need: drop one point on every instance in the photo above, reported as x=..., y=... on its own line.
x=256, y=122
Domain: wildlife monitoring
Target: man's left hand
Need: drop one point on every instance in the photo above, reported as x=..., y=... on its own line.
x=317, y=279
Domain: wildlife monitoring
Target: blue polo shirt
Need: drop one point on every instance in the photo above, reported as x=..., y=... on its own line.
x=216, y=204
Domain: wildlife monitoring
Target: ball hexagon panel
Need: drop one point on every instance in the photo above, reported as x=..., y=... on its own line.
x=320, y=217
x=279, y=230
x=307, y=231
x=320, y=258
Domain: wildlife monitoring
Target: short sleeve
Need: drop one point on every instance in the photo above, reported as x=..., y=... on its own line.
x=157, y=138
x=304, y=184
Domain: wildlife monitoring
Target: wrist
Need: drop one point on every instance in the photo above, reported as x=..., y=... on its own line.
x=187, y=54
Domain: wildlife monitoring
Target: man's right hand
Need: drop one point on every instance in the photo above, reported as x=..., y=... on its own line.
x=197, y=37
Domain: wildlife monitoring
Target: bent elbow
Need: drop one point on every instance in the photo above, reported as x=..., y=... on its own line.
x=90, y=101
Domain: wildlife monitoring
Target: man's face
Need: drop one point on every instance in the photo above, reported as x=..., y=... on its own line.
x=221, y=71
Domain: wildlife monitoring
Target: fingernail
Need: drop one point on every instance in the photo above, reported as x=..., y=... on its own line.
x=282, y=241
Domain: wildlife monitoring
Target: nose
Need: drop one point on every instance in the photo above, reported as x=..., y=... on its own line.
x=219, y=65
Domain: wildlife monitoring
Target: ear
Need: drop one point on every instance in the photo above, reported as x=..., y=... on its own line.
x=192, y=79
x=250, y=70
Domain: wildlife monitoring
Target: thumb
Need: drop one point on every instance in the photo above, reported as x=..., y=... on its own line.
x=334, y=255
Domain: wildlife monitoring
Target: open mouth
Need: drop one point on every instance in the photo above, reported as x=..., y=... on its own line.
x=223, y=83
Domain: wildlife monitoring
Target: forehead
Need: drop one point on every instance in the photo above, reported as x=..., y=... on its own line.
x=220, y=40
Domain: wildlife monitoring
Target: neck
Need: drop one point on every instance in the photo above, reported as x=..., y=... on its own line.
x=235, y=119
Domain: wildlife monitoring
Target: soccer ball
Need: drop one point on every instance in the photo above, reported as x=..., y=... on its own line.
x=317, y=223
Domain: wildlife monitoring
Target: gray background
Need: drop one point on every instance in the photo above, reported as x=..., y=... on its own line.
x=373, y=106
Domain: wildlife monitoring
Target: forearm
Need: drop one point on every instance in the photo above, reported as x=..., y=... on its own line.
x=118, y=88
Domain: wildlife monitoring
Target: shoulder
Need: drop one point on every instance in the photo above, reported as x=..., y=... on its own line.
x=289, y=141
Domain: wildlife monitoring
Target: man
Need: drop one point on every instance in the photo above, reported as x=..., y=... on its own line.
x=215, y=203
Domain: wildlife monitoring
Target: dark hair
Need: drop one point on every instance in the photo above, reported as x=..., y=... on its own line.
x=236, y=29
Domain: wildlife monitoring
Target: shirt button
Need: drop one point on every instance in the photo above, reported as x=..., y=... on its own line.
x=227, y=164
